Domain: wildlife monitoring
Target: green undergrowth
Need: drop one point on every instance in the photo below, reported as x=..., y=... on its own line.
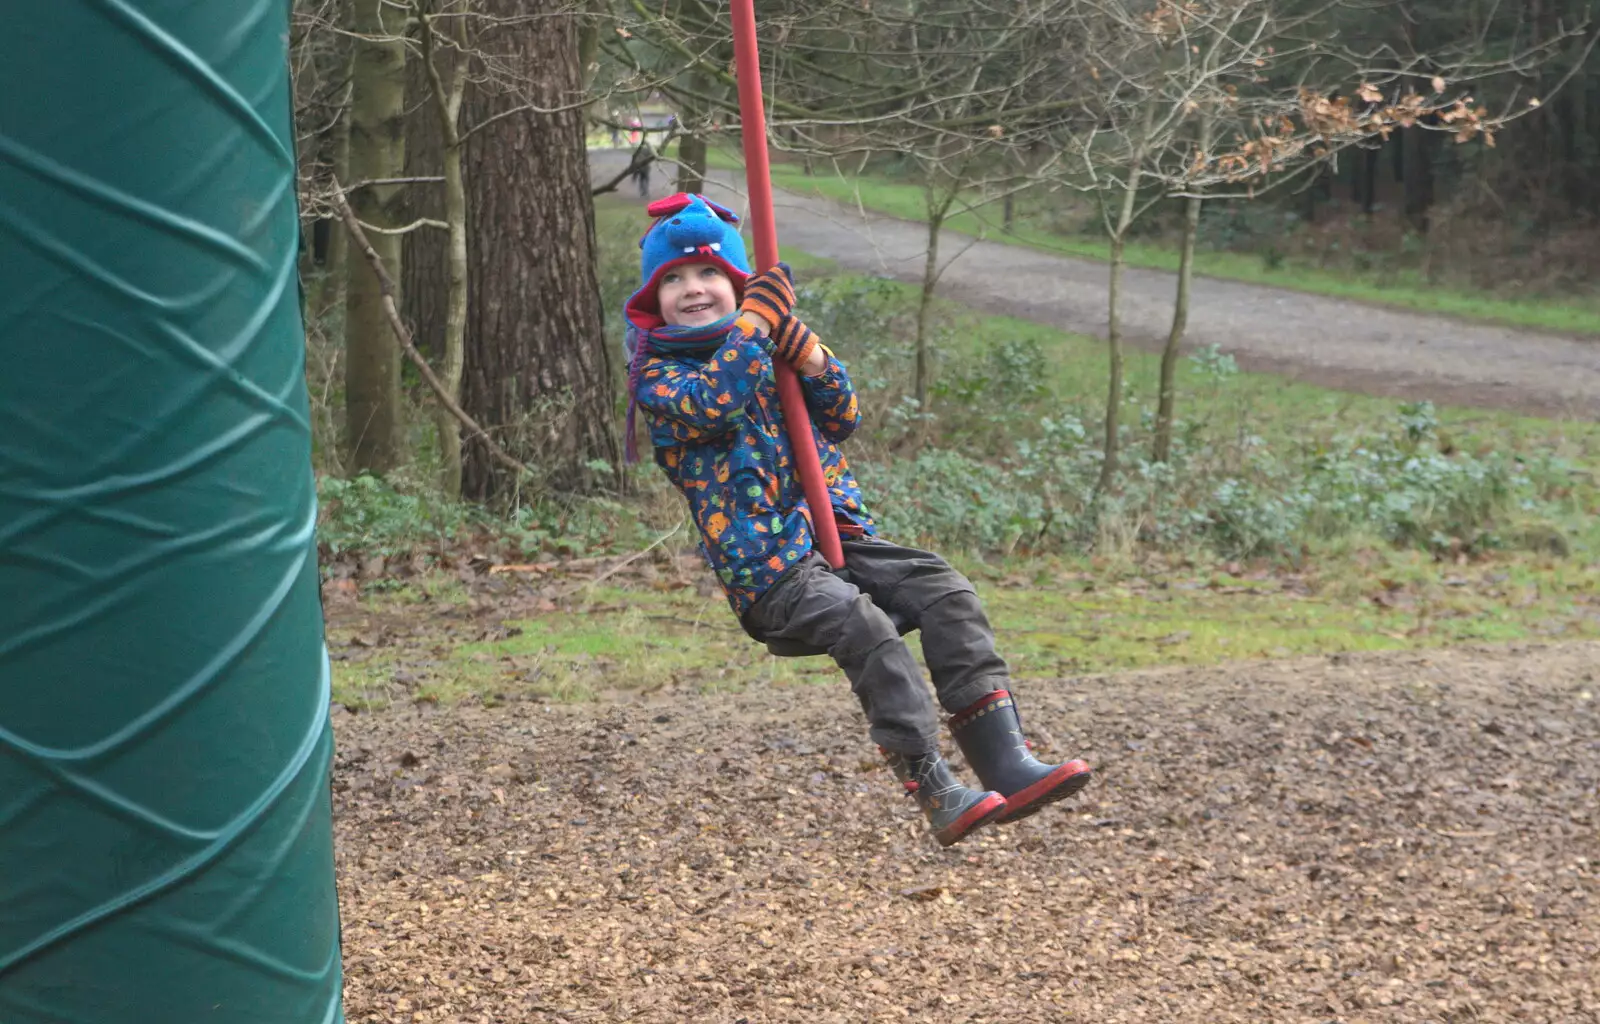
x=1007, y=455
x=1005, y=458
x=384, y=523
x=1401, y=287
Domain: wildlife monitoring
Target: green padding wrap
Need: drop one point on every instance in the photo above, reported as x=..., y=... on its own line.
x=165, y=830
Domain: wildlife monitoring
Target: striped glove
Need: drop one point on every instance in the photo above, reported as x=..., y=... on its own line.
x=769, y=294
x=794, y=342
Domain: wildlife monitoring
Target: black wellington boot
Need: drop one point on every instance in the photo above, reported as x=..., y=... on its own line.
x=989, y=734
x=953, y=810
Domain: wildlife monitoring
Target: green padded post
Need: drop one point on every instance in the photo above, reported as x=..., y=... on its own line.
x=165, y=827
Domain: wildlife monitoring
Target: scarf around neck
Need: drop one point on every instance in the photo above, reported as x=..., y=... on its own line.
x=640, y=343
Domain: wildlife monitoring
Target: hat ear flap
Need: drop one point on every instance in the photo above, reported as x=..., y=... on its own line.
x=721, y=211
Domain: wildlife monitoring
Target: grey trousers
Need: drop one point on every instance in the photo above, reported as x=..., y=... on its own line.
x=845, y=612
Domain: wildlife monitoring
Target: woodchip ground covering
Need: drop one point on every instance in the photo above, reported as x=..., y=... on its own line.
x=1396, y=837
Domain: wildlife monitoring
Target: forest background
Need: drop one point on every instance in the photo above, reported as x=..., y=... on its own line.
x=469, y=174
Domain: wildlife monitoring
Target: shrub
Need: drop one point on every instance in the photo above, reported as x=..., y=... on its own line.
x=1007, y=465
x=947, y=499
x=369, y=516
x=1409, y=491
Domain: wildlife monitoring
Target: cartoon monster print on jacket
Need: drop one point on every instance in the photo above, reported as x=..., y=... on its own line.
x=717, y=429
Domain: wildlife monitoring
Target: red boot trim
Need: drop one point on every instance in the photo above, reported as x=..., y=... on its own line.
x=990, y=808
x=983, y=706
x=1066, y=780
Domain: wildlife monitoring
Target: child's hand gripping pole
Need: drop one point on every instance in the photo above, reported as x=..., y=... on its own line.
x=753, y=125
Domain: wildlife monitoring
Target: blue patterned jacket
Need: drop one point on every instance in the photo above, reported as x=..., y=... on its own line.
x=717, y=428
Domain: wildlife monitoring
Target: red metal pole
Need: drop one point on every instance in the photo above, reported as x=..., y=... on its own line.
x=753, y=126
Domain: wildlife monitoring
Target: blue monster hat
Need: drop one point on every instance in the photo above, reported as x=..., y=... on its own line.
x=687, y=229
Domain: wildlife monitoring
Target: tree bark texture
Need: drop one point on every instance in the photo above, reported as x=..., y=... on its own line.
x=691, y=144
x=691, y=162
x=377, y=150
x=539, y=370
x=425, y=250
x=447, y=87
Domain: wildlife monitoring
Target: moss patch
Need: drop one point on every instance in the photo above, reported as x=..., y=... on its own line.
x=1053, y=618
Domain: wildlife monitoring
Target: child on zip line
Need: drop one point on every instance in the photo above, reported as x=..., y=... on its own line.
x=703, y=332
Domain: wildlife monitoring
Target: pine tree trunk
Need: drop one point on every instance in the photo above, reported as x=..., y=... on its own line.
x=591, y=23
x=1168, y=400
x=691, y=163
x=377, y=150
x=692, y=144
x=538, y=368
x=1418, y=176
x=1368, y=170
x=425, y=250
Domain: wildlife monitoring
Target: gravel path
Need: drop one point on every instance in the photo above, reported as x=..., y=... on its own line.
x=1333, y=342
